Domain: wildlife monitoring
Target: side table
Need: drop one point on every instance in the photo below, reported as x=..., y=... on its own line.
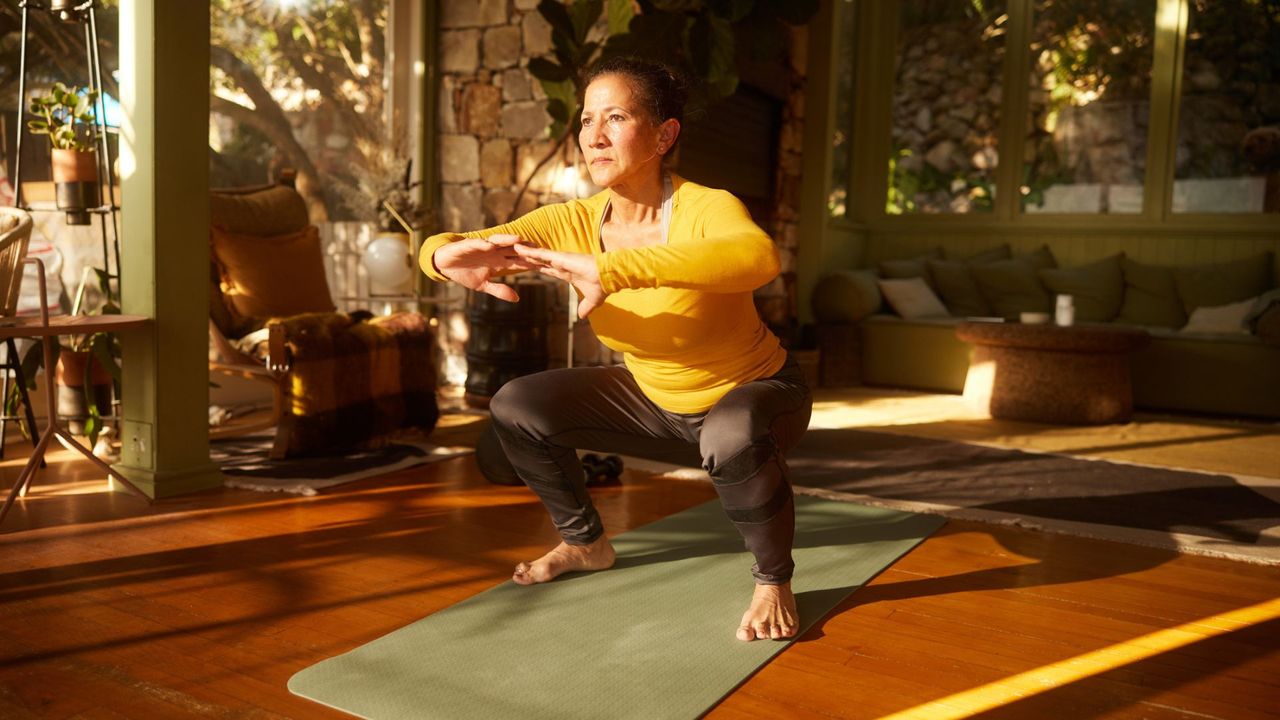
x=47, y=329
x=1045, y=373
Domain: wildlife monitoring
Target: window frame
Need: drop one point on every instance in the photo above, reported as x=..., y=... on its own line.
x=876, y=32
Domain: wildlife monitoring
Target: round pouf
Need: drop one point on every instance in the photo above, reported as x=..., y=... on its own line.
x=1045, y=373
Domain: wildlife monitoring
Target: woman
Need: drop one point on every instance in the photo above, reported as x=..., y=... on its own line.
x=665, y=269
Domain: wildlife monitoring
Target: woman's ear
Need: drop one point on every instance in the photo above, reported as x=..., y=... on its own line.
x=667, y=134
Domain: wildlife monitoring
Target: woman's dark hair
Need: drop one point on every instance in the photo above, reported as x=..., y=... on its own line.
x=662, y=89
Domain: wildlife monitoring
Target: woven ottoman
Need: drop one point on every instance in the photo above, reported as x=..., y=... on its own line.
x=1045, y=373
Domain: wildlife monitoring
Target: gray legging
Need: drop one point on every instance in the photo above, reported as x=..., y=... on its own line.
x=543, y=419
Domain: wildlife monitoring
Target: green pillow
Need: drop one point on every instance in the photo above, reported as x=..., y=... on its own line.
x=955, y=285
x=911, y=268
x=1223, y=283
x=1097, y=288
x=845, y=296
x=1011, y=287
x=1041, y=258
x=1150, y=297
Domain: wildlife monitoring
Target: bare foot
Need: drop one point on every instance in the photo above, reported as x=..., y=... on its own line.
x=565, y=558
x=772, y=614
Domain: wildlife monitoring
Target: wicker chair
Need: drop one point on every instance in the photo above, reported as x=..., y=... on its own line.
x=15, y=236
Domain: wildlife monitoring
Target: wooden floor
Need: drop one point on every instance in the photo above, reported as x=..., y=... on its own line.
x=204, y=606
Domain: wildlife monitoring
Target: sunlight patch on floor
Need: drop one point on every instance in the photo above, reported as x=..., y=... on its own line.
x=1237, y=447
x=1074, y=669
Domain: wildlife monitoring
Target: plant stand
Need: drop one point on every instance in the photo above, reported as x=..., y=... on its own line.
x=48, y=329
x=106, y=210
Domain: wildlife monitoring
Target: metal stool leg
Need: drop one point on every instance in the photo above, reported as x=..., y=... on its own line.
x=32, y=432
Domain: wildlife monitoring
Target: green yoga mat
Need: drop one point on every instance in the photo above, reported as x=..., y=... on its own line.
x=652, y=637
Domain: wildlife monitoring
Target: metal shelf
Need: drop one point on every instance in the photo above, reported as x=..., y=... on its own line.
x=103, y=210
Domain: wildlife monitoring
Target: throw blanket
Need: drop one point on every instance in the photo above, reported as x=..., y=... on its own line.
x=353, y=380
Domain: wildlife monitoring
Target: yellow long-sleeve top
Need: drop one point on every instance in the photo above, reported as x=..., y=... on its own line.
x=681, y=313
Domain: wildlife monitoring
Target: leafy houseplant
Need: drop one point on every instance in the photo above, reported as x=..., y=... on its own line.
x=88, y=364
x=66, y=116
x=706, y=39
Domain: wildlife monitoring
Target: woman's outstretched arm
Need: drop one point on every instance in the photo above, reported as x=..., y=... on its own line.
x=732, y=255
x=550, y=227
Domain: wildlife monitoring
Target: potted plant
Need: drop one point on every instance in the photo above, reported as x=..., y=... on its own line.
x=66, y=116
x=87, y=369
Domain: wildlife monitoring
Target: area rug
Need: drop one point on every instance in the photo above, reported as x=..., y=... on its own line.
x=245, y=464
x=1203, y=513
x=652, y=637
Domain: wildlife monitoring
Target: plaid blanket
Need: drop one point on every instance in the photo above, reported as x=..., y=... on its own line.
x=353, y=381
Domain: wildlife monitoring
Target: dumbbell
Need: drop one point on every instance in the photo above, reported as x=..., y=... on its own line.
x=601, y=471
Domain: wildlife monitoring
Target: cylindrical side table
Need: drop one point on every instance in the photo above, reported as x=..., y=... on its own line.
x=1046, y=373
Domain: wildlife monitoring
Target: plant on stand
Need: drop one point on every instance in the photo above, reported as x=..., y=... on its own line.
x=87, y=368
x=65, y=115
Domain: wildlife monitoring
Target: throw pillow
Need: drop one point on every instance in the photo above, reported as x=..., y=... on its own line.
x=1150, y=297
x=1223, y=283
x=1041, y=258
x=955, y=284
x=265, y=211
x=253, y=269
x=845, y=296
x=910, y=268
x=1011, y=287
x=1097, y=288
x=1220, y=318
x=1267, y=326
x=911, y=298
x=1268, y=301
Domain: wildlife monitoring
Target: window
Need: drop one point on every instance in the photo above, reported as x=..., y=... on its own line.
x=1228, y=144
x=1088, y=106
x=946, y=106
x=1015, y=109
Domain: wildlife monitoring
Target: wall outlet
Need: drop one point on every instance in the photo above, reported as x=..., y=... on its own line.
x=136, y=445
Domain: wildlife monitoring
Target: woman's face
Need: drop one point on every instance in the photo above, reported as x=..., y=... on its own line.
x=619, y=139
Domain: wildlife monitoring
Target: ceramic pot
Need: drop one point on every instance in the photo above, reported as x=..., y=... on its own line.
x=75, y=178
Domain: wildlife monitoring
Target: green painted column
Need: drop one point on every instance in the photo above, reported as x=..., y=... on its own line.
x=164, y=89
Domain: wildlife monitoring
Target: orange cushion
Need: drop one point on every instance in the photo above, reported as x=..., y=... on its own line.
x=266, y=277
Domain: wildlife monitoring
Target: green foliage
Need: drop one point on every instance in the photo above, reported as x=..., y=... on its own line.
x=571, y=52
x=906, y=185
x=705, y=38
x=62, y=113
x=104, y=347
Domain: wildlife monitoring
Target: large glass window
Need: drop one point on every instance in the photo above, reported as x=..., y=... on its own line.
x=946, y=106
x=1088, y=106
x=842, y=135
x=1228, y=153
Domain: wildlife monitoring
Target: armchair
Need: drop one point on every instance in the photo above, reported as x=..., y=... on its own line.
x=341, y=380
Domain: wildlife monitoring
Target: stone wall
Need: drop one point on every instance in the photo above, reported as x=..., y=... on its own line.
x=946, y=110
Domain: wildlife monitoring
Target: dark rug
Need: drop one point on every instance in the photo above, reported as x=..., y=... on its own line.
x=1191, y=511
x=245, y=464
